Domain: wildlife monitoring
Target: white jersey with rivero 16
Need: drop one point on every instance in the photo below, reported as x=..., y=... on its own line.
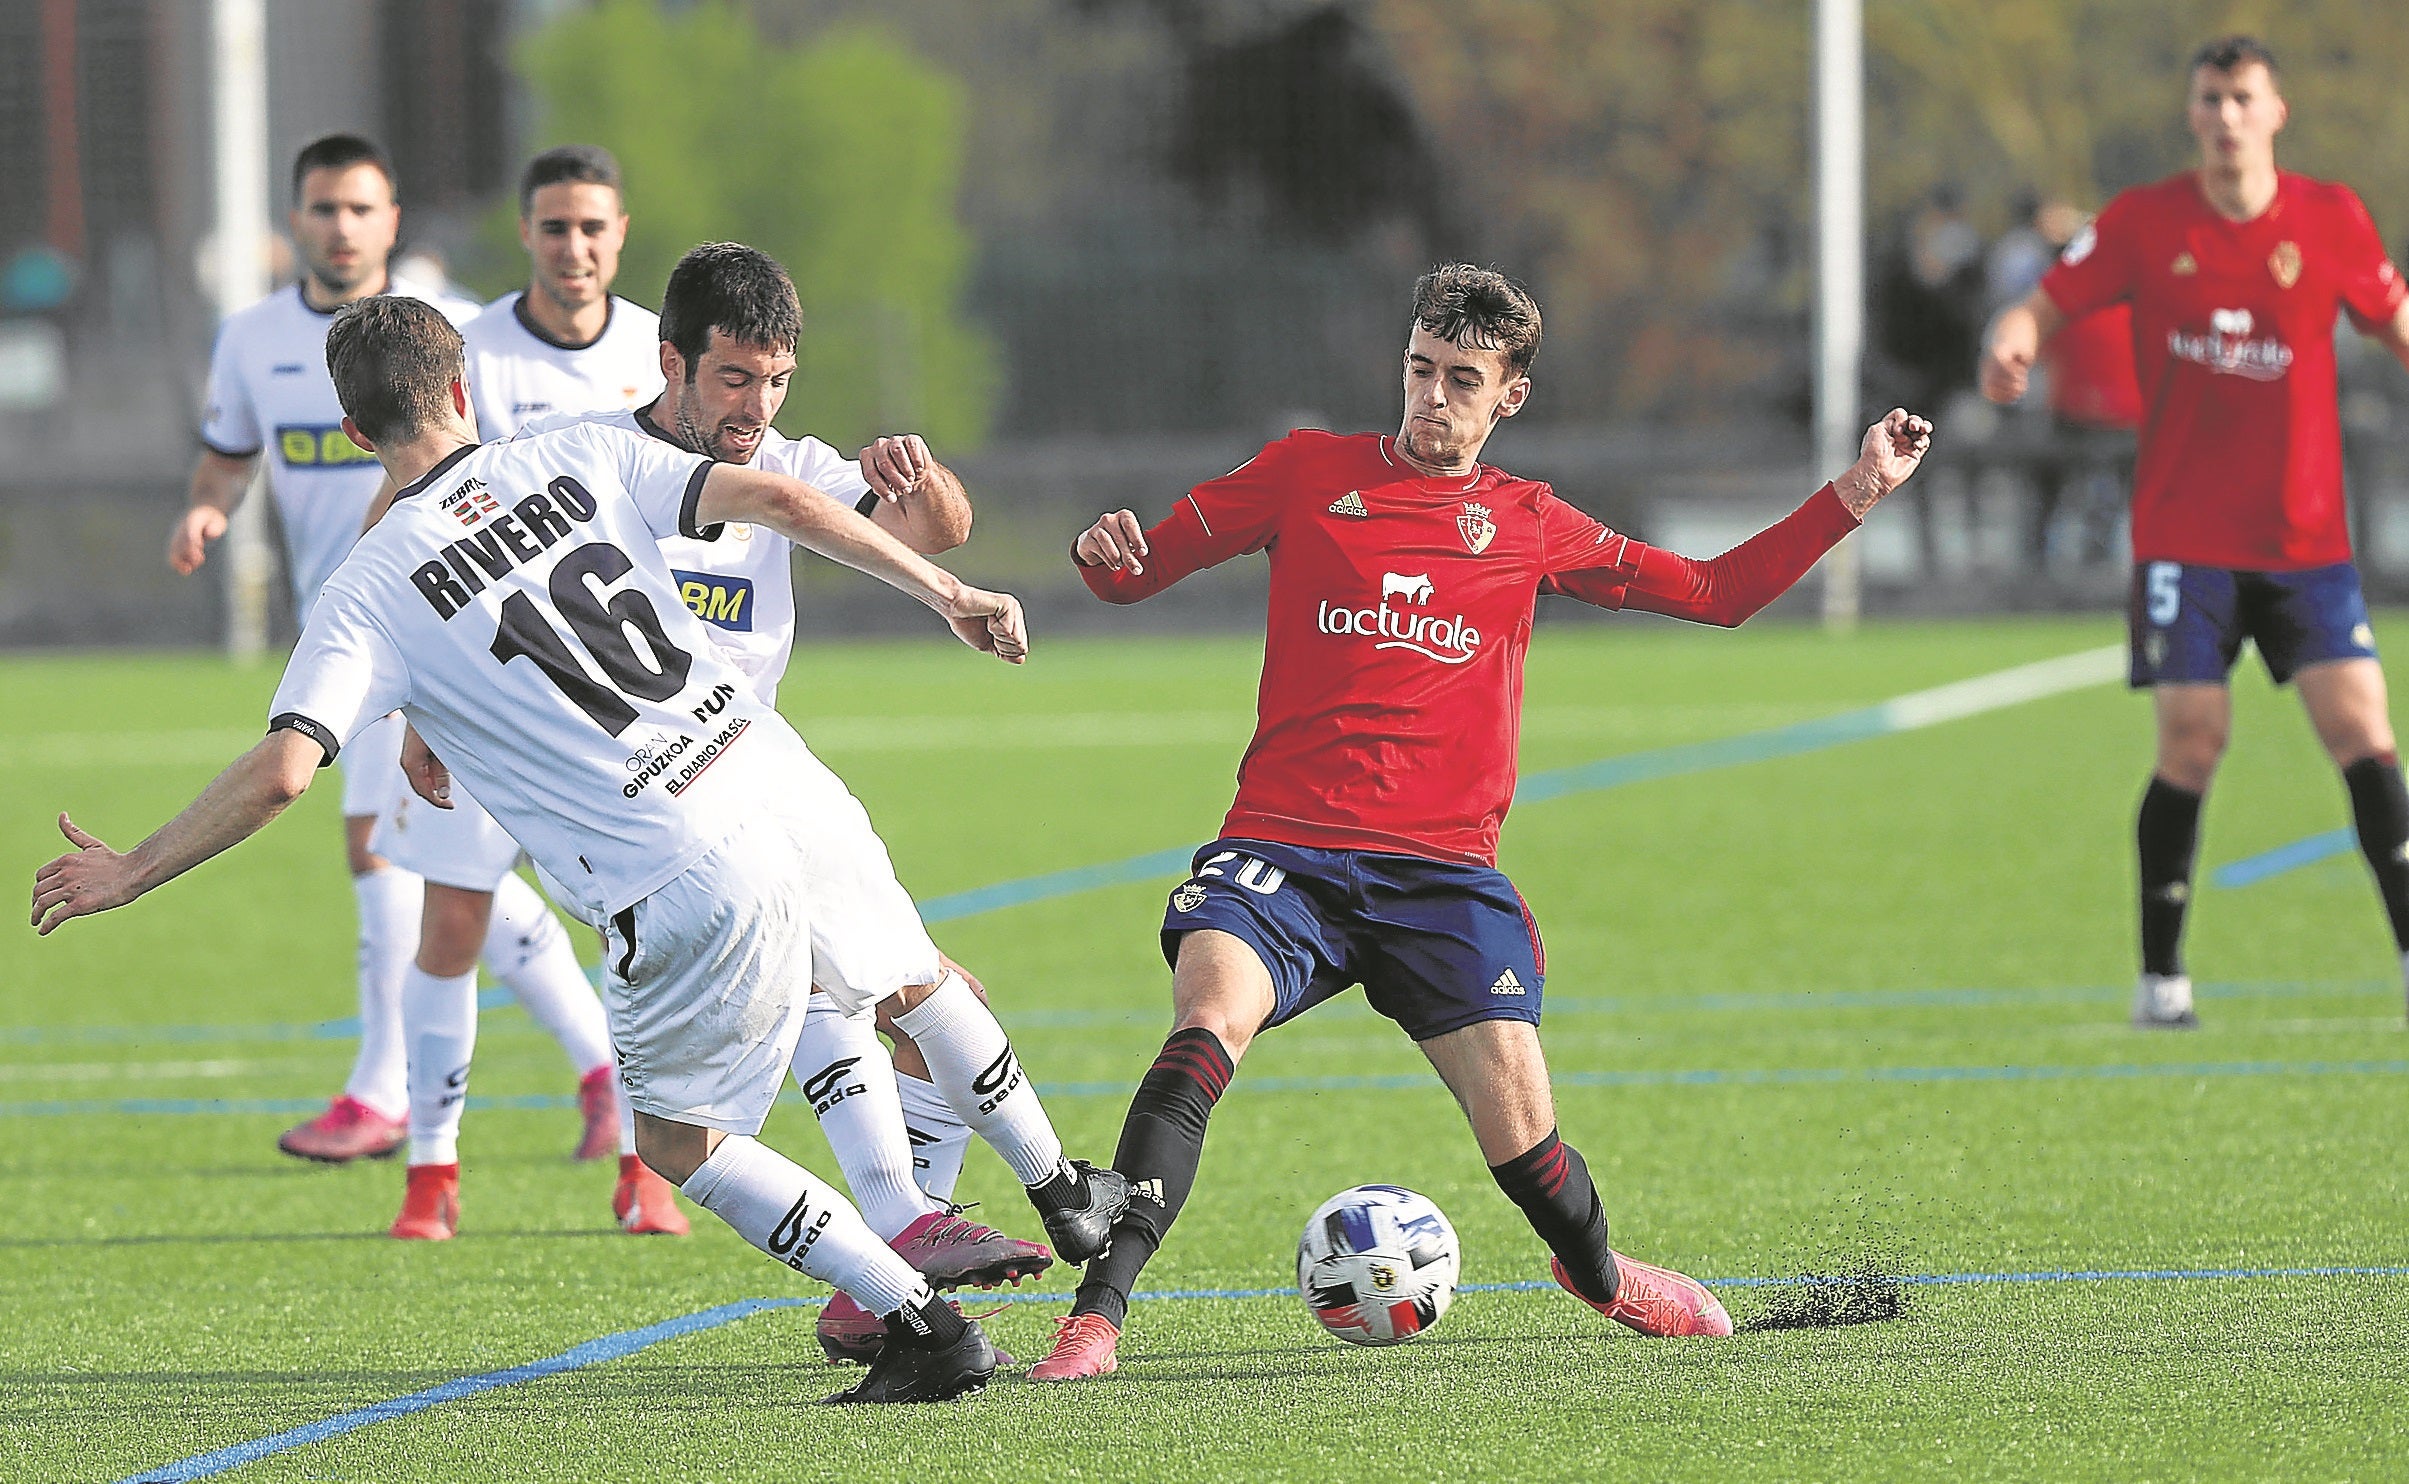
x=517, y=373
x=742, y=584
x=515, y=606
x=269, y=393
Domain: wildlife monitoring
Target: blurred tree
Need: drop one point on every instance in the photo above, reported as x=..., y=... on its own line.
x=1639, y=161
x=841, y=157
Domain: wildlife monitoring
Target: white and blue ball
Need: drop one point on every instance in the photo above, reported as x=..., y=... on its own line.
x=1377, y=1265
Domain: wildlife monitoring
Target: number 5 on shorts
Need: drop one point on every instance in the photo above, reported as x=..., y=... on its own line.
x=2164, y=588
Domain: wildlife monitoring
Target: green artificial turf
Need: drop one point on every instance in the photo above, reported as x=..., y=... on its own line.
x=1862, y=1003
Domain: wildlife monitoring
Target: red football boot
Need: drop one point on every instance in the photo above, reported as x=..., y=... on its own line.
x=644, y=1203
x=952, y=1252
x=598, y=1100
x=349, y=1129
x=430, y=1205
x=1656, y=1301
x=1083, y=1349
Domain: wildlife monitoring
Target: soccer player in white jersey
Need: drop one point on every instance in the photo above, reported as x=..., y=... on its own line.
x=730, y=325
x=269, y=394
x=564, y=343
x=515, y=607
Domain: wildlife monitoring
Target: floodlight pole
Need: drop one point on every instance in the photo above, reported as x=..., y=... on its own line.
x=239, y=140
x=1839, y=270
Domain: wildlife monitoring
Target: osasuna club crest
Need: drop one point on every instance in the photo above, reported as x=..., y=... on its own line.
x=1478, y=529
x=1189, y=897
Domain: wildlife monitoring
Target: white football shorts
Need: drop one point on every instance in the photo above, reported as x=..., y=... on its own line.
x=371, y=767
x=706, y=981
x=462, y=846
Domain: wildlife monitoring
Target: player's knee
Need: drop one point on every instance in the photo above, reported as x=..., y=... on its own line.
x=451, y=931
x=2188, y=753
x=673, y=1150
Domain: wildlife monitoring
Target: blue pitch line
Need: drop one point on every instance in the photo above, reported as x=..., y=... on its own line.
x=1389, y=1082
x=1638, y=767
x=1017, y=1020
x=2251, y=870
x=628, y=1342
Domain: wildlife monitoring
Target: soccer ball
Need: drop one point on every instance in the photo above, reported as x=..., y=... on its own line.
x=1377, y=1264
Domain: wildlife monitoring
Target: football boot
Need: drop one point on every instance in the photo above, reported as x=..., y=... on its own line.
x=430, y=1205
x=1655, y=1301
x=1084, y=1346
x=952, y=1252
x=349, y=1129
x=598, y=1100
x=1082, y=1234
x=643, y=1202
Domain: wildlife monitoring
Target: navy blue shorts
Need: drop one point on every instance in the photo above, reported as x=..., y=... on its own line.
x=1436, y=946
x=2188, y=623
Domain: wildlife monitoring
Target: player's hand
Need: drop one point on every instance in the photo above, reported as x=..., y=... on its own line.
x=188, y=541
x=92, y=879
x=2007, y=362
x=991, y=623
x=429, y=778
x=894, y=466
x=1115, y=540
x=1893, y=449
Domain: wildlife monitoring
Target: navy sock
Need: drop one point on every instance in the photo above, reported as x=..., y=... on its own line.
x=2379, y=805
x=1550, y=1181
x=2168, y=833
x=1161, y=1144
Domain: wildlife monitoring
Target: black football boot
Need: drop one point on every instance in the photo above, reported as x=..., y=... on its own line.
x=932, y=1354
x=1079, y=1207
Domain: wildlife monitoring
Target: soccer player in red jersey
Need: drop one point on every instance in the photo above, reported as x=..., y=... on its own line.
x=1362, y=846
x=2235, y=272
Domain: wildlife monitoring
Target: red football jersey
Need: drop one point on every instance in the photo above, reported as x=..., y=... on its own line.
x=1399, y=613
x=2233, y=338
x=2091, y=378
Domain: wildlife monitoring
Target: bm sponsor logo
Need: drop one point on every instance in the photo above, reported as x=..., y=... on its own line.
x=313, y=445
x=724, y=601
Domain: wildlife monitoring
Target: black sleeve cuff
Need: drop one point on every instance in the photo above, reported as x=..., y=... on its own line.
x=294, y=721
x=867, y=504
x=229, y=453
x=694, y=497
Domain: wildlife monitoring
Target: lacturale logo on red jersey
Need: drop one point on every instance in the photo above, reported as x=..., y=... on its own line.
x=1402, y=622
x=2228, y=349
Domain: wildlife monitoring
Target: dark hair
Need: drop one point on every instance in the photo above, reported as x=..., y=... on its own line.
x=339, y=152
x=393, y=359
x=2231, y=53
x=737, y=290
x=585, y=164
x=1479, y=309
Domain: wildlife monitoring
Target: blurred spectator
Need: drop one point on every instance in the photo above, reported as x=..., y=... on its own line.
x=1929, y=308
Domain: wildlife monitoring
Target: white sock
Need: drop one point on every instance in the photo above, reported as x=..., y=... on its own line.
x=784, y=1210
x=939, y=1136
x=845, y=1073
x=627, y=1124
x=439, y=1020
x=390, y=900
x=973, y=1065
x=528, y=951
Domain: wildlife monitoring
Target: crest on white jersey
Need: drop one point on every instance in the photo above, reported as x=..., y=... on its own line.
x=1478, y=529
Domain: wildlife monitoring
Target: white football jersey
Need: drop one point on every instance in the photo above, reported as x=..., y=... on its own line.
x=742, y=585
x=515, y=606
x=269, y=392
x=517, y=373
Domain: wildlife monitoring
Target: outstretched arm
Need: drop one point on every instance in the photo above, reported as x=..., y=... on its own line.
x=236, y=805
x=1732, y=588
x=991, y=622
x=920, y=502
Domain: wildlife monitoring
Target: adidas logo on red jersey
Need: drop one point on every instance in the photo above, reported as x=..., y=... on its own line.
x=1350, y=503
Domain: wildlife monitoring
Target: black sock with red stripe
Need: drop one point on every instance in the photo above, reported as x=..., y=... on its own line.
x=1161, y=1144
x=2379, y=806
x=1550, y=1181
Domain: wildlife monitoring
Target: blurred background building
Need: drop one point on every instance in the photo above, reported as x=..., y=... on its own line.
x=1101, y=249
